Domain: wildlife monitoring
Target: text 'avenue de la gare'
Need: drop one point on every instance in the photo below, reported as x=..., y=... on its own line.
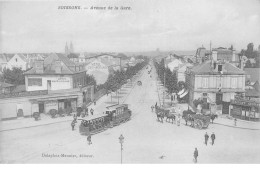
x=95, y=7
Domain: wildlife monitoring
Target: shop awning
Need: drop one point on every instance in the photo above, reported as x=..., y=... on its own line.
x=55, y=98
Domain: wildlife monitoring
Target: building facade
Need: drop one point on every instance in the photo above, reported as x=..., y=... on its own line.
x=215, y=82
x=18, y=61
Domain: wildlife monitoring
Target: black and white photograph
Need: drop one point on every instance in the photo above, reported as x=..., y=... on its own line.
x=130, y=82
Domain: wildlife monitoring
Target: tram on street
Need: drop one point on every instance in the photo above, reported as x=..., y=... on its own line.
x=114, y=115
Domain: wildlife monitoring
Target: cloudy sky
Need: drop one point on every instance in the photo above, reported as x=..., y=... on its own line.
x=150, y=24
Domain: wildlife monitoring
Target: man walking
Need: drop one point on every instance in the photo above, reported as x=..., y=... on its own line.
x=73, y=124
x=195, y=154
x=152, y=107
x=91, y=111
x=213, y=137
x=89, y=140
x=206, y=138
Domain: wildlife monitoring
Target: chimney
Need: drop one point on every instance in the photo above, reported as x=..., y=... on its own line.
x=58, y=66
x=241, y=63
x=39, y=66
x=214, y=55
x=233, y=55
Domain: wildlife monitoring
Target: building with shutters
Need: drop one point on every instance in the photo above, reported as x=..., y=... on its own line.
x=216, y=82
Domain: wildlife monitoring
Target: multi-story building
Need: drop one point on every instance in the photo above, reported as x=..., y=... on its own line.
x=215, y=82
x=56, y=72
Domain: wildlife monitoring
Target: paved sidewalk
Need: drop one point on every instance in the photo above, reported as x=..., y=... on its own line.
x=99, y=108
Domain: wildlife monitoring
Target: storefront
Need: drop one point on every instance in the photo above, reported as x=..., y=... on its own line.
x=245, y=109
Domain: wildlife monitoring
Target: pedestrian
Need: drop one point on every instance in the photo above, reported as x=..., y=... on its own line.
x=235, y=122
x=195, y=154
x=178, y=119
x=91, y=111
x=94, y=102
x=86, y=111
x=89, y=140
x=213, y=137
x=152, y=107
x=156, y=105
x=206, y=138
x=73, y=125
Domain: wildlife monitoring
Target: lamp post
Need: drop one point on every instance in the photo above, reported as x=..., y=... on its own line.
x=121, y=141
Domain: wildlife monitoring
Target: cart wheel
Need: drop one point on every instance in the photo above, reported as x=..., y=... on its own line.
x=198, y=124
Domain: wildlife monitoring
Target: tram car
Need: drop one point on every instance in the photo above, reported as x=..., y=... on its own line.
x=118, y=114
x=114, y=115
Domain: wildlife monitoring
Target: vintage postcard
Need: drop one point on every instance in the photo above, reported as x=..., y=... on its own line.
x=130, y=82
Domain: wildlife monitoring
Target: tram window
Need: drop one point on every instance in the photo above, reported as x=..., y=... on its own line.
x=107, y=112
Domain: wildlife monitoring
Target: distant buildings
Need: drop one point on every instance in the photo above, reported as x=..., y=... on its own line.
x=18, y=61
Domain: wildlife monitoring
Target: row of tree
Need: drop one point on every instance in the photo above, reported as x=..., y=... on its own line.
x=116, y=80
x=169, y=79
x=250, y=53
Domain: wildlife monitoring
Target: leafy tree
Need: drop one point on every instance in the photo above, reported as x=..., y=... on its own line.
x=14, y=76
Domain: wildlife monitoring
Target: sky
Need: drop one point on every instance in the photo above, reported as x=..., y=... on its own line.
x=150, y=24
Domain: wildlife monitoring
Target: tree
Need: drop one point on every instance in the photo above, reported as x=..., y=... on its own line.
x=14, y=76
x=181, y=85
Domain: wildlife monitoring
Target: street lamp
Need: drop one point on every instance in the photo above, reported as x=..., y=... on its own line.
x=121, y=141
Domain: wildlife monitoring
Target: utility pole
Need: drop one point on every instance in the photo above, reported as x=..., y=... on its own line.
x=164, y=81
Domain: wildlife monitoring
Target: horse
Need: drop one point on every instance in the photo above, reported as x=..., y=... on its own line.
x=170, y=116
x=213, y=117
x=186, y=115
x=160, y=116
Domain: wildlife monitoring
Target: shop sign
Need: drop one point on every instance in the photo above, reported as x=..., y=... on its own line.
x=61, y=79
x=245, y=103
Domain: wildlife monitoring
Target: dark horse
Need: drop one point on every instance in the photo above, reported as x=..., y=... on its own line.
x=213, y=117
x=170, y=117
x=187, y=116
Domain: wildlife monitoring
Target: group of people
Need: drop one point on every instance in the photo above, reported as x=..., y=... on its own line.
x=212, y=136
x=86, y=112
x=206, y=136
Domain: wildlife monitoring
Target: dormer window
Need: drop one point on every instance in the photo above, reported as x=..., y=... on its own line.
x=219, y=68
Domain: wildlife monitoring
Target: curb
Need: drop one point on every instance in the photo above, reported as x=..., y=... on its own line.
x=235, y=126
x=34, y=126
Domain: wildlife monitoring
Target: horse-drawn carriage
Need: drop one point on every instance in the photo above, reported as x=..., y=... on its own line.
x=198, y=121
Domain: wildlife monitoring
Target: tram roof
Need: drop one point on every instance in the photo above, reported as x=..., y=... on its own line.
x=112, y=107
x=91, y=117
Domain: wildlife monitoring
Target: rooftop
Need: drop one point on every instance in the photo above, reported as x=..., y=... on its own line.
x=206, y=68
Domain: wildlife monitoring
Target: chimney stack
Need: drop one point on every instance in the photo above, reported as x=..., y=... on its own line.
x=58, y=66
x=241, y=63
x=214, y=55
x=39, y=66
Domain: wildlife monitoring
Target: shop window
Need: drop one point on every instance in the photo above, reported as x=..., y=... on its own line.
x=34, y=82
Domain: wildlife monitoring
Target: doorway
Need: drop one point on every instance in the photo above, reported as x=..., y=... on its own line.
x=41, y=107
x=48, y=84
x=219, y=98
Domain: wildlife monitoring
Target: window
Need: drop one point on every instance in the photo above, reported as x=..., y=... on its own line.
x=34, y=82
x=16, y=59
x=205, y=94
x=234, y=83
x=204, y=82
